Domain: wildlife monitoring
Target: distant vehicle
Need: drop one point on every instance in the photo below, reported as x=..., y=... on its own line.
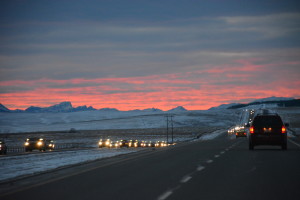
x=3, y=147
x=161, y=144
x=35, y=143
x=267, y=129
x=231, y=130
x=124, y=143
x=49, y=144
x=115, y=144
x=133, y=143
x=240, y=132
x=143, y=144
x=104, y=143
x=150, y=144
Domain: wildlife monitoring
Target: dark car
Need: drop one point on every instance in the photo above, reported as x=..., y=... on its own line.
x=3, y=147
x=267, y=129
x=133, y=143
x=104, y=143
x=124, y=143
x=49, y=144
x=150, y=144
x=35, y=143
x=240, y=132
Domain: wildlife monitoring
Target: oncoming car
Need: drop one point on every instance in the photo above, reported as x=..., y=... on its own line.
x=35, y=143
x=160, y=144
x=104, y=143
x=49, y=144
x=115, y=144
x=133, y=143
x=124, y=143
x=267, y=129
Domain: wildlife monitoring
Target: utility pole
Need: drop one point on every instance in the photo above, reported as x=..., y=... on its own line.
x=167, y=116
x=172, y=127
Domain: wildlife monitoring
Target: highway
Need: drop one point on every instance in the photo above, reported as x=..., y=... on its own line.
x=222, y=168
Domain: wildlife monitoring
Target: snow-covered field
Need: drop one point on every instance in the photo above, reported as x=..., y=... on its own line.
x=101, y=120
x=20, y=165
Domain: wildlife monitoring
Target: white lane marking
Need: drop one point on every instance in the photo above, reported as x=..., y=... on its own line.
x=295, y=143
x=222, y=152
x=185, y=179
x=217, y=156
x=227, y=149
x=165, y=195
x=200, y=168
x=209, y=161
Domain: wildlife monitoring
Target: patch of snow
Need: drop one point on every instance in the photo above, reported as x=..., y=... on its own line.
x=213, y=135
x=15, y=166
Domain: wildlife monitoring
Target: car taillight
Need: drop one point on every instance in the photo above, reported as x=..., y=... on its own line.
x=251, y=129
x=283, y=129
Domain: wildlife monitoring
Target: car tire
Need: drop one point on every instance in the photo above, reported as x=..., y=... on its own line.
x=251, y=146
x=284, y=146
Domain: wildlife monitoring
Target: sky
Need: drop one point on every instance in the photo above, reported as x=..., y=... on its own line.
x=138, y=54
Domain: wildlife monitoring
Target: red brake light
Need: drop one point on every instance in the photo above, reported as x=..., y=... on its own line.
x=283, y=129
x=251, y=129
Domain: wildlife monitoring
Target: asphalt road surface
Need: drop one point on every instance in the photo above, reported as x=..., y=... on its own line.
x=222, y=168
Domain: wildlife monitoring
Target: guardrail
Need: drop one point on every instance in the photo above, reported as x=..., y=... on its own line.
x=20, y=149
x=15, y=149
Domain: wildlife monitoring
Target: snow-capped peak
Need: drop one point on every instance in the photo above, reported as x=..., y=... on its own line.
x=178, y=109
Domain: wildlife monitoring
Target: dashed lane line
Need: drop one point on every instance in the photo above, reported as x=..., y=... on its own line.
x=185, y=179
x=165, y=195
x=200, y=168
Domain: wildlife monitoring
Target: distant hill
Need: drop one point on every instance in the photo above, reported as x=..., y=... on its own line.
x=224, y=106
x=3, y=108
x=178, y=109
x=279, y=103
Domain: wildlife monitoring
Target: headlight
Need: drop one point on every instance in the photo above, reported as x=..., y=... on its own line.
x=40, y=143
x=100, y=143
x=26, y=143
x=50, y=145
x=107, y=143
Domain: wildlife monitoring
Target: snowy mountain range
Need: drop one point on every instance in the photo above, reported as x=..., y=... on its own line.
x=67, y=106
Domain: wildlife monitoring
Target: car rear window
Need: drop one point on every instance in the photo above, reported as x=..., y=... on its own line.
x=267, y=121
